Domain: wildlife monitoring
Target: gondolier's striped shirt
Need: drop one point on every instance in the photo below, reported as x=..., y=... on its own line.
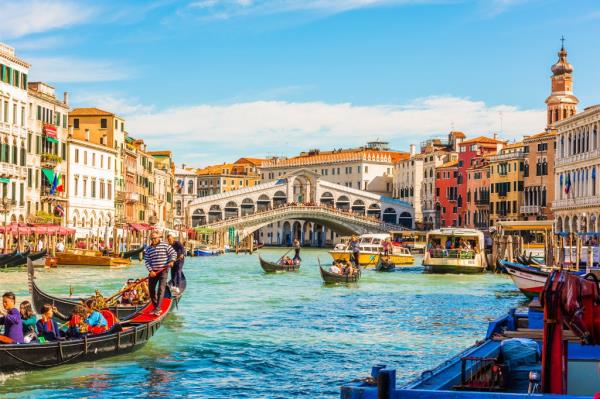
x=156, y=257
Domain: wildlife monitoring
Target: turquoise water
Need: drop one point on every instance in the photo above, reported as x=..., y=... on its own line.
x=239, y=333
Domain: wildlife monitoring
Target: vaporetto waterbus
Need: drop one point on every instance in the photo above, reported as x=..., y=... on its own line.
x=454, y=250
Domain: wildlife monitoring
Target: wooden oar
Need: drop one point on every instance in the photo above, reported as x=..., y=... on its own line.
x=132, y=285
x=288, y=251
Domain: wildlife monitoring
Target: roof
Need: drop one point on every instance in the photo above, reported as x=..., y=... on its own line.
x=457, y=134
x=482, y=140
x=89, y=112
x=253, y=161
x=161, y=154
x=448, y=164
x=541, y=135
x=215, y=169
x=354, y=154
x=518, y=144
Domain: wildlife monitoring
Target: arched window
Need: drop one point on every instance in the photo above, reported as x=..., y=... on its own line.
x=190, y=187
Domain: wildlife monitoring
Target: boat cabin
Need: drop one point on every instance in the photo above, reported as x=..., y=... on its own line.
x=415, y=241
x=455, y=243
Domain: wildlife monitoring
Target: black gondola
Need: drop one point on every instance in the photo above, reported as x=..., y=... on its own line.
x=384, y=265
x=124, y=337
x=133, y=253
x=21, y=256
x=334, y=278
x=22, y=260
x=270, y=267
x=65, y=305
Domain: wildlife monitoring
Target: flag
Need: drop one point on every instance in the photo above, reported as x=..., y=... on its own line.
x=561, y=180
x=593, y=173
x=54, y=184
x=568, y=184
x=59, y=186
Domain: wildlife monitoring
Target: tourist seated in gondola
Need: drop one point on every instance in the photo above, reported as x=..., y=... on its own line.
x=11, y=319
x=76, y=326
x=334, y=268
x=130, y=295
x=47, y=327
x=97, y=323
x=28, y=319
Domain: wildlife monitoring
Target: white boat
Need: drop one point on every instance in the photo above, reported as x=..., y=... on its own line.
x=455, y=250
x=371, y=246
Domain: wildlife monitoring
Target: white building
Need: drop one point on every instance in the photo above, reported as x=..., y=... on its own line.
x=47, y=146
x=185, y=191
x=576, y=203
x=13, y=130
x=90, y=188
x=367, y=168
x=408, y=175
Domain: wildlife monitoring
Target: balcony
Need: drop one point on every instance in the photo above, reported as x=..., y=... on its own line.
x=511, y=156
x=530, y=209
x=482, y=202
x=10, y=170
x=120, y=196
x=45, y=195
x=560, y=161
x=576, y=202
x=49, y=161
x=132, y=198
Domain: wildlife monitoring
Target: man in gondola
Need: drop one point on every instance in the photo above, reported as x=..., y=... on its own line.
x=177, y=269
x=158, y=256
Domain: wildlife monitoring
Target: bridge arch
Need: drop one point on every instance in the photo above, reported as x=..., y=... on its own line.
x=374, y=211
x=358, y=207
x=303, y=185
x=232, y=210
x=263, y=203
x=390, y=216
x=279, y=199
x=198, y=217
x=343, y=202
x=247, y=206
x=405, y=219
x=327, y=199
x=215, y=213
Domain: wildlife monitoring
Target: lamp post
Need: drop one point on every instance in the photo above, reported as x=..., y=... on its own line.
x=5, y=206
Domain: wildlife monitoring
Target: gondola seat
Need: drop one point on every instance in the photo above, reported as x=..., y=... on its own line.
x=110, y=317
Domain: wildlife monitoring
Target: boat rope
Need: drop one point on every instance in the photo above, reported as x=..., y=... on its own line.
x=38, y=364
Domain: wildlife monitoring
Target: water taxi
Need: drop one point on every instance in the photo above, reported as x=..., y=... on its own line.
x=446, y=254
x=371, y=245
x=415, y=241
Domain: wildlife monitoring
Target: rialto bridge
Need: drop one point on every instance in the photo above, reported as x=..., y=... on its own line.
x=301, y=196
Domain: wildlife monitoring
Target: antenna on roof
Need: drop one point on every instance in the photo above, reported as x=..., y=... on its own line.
x=562, y=42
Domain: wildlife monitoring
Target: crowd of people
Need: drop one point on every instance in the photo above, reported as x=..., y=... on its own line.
x=453, y=246
x=22, y=326
x=344, y=268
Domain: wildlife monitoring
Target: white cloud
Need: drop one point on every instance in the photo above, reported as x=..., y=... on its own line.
x=226, y=9
x=70, y=69
x=24, y=17
x=121, y=105
x=275, y=127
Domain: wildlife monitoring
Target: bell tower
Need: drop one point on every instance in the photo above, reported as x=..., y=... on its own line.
x=561, y=103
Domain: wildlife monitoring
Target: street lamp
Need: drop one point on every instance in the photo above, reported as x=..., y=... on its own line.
x=5, y=206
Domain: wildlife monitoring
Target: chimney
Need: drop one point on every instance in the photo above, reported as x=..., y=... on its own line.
x=182, y=166
x=413, y=150
x=66, y=98
x=495, y=136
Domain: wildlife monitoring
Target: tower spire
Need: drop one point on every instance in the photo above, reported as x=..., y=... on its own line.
x=561, y=103
x=562, y=41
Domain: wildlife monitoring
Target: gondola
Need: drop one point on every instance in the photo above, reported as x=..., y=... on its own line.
x=15, y=257
x=384, y=265
x=133, y=253
x=270, y=267
x=65, y=306
x=334, y=278
x=124, y=337
x=22, y=260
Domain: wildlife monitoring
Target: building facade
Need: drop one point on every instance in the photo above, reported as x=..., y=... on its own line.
x=408, y=176
x=478, y=193
x=539, y=176
x=446, y=194
x=91, y=175
x=577, y=163
x=13, y=131
x=226, y=177
x=164, y=178
x=507, y=183
x=185, y=193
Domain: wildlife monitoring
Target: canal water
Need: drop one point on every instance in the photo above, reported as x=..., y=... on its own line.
x=239, y=333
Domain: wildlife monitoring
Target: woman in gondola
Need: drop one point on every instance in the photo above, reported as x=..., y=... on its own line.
x=47, y=327
x=29, y=320
x=97, y=324
x=76, y=324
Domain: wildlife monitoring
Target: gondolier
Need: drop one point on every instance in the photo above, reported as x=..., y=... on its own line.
x=158, y=257
x=297, y=249
x=177, y=269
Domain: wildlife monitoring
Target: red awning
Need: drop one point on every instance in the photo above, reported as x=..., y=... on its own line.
x=50, y=130
x=140, y=227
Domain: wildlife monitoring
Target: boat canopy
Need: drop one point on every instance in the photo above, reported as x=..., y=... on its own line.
x=527, y=225
x=467, y=234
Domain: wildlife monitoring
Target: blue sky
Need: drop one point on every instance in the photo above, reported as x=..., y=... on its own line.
x=218, y=79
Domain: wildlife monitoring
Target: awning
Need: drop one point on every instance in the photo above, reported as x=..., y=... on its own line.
x=49, y=173
x=203, y=230
x=51, y=139
x=50, y=130
x=4, y=180
x=140, y=227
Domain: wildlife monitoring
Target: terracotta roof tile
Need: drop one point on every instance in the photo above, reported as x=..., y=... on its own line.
x=89, y=112
x=448, y=164
x=484, y=140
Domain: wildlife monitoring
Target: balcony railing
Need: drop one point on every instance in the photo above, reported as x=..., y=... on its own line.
x=120, y=196
x=577, y=158
x=530, y=209
x=575, y=202
x=509, y=156
x=51, y=160
x=132, y=198
x=482, y=202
